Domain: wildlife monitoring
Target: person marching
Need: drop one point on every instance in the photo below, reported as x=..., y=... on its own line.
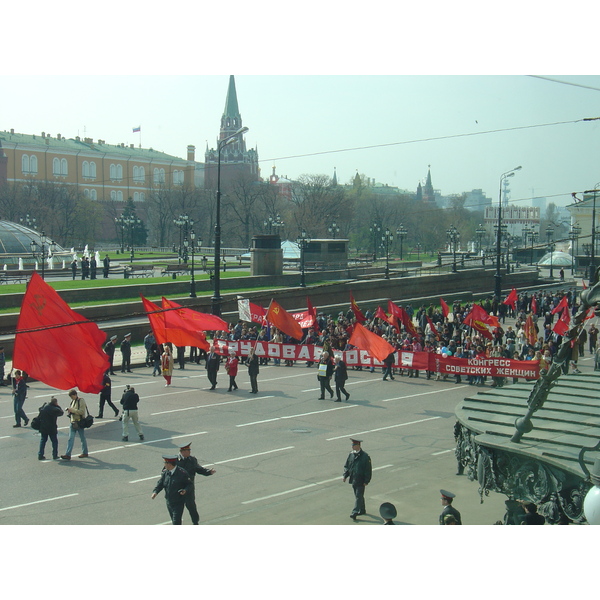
x=358, y=470
x=447, y=498
x=190, y=464
x=126, y=354
x=231, y=367
x=340, y=374
x=167, y=363
x=213, y=360
x=20, y=393
x=253, y=370
x=176, y=483
x=324, y=375
x=105, y=397
x=49, y=413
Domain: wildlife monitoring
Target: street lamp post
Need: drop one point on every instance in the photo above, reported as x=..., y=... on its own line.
x=193, y=250
x=574, y=236
x=39, y=253
x=593, y=246
x=401, y=232
x=549, y=234
x=183, y=222
x=375, y=229
x=453, y=237
x=216, y=299
x=272, y=223
x=480, y=232
x=333, y=229
x=120, y=221
x=303, y=241
x=387, y=238
x=498, y=275
x=419, y=246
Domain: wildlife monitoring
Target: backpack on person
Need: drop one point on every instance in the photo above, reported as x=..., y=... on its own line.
x=36, y=421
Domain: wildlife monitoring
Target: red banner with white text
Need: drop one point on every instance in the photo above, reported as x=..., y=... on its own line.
x=421, y=361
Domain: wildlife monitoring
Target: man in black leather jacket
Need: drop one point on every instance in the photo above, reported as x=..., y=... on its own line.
x=358, y=471
x=176, y=483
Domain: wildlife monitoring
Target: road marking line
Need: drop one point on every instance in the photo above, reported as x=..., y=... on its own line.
x=164, y=412
x=316, y=412
x=423, y=394
x=303, y=487
x=443, y=452
x=138, y=444
x=339, y=437
x=220, y=462
x=38, y=502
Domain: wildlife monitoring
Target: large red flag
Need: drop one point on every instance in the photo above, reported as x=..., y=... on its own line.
x=401, y=314
x=277, y=316
x=534, y=306
x=529, y=330
x=511, y=299
x=202, y=321
x=380, y=314
x=562, y=324
x=564, y=303
x=181, y=326
x=432, y=327
x=56, y=345
x=445, y=309
x=312, y=311
x=357, y=312
x=479, y=320
x=376, y=346
x=156, y=316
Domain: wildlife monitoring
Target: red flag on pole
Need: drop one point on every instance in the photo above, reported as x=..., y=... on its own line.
x=56, y=345
x=401, y=314
x=182, y=327
x=564, y=303
x=277, y=316
x=479, y=320
x=376, y=346
x=357, y=313
x=529, y=330
x=534, y=305
x=432, y=327
x=198, y=320
x=313, y=312
x=445, y=309
x=157, y=320
x=562, y=324
x=511, y=299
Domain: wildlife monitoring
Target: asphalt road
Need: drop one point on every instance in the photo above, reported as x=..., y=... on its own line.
x=278, y=454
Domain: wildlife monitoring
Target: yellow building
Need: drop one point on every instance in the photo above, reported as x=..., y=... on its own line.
x=98, y=171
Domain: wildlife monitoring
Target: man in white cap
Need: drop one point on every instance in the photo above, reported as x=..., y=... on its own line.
x=190, y=464
x=447, y=498
x=358, y=471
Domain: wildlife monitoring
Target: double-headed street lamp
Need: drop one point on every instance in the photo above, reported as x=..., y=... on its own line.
x=574, y=233
x=549, y=236
x=39, y=252
x=387, y=238
x=480, y=232
x=498, y=275
x=401, y=232
x=273, y=223
x=453, y=238
x=183, y=222
x=375, y=230
x=333, y=229
x=216, y=299
x=303, y=241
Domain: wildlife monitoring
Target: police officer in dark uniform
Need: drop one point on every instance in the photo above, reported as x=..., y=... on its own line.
x=447, y=498
x=388, y=513
x=109, y=348
x=190, y=464
x=176, y=483
x=358, y=471
x=126, y=354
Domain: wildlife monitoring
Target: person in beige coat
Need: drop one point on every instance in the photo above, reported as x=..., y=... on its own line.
x=76, y=411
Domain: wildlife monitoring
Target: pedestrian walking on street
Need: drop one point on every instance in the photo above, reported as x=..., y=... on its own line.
x=166, y=362
x=231, y=367
x=447, y=498
x=49, y=413
x=340, y=374
x=358, y=471
x=76, y=411
x=324, y=373
x=19, y=394
x=253, y=370
x=106, y=397
x=190, y=465
x=130, y=402
x=176, y=483
x=213, y=360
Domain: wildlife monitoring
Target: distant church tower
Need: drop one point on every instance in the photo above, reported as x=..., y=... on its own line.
x=236, y=160
x=425, y=193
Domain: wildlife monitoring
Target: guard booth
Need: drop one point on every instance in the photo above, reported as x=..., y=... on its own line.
x=266, y=255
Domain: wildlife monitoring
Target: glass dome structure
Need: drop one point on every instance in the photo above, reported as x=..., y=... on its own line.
x=15, y=243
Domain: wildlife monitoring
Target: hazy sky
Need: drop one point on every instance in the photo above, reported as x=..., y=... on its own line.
x=313, y=124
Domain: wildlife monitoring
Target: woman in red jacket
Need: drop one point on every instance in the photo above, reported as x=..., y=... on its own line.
x=231, y=367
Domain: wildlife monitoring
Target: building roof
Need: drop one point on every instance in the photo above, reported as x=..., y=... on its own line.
x=231, y=103
x=75, y=145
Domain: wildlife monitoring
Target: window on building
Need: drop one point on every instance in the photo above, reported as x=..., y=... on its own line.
x=55, y=167
x=25, y=163
x=113, y=195
x=93, y=169
x=33, y=164
x=85, y=168
x=178, y=177
x=119, y=172
x=119, y=196
x=93, y=195
x=159, y=175
x=142, y=196
x=86, y=193
x=64, y=169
